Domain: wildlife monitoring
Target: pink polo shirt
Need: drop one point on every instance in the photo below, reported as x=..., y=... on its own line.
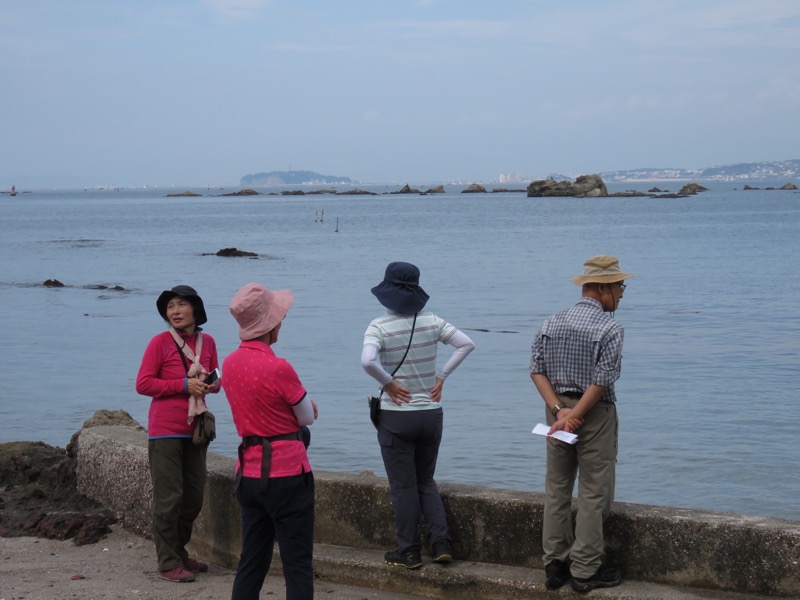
x=261, y=389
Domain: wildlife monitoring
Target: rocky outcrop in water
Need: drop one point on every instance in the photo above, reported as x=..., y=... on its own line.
x=585, y=186
x=407, y=189
x=692, y=188
x=245, y=192
x=786, y=186
x=474, y=188
x=356, y=192
x=186, y=194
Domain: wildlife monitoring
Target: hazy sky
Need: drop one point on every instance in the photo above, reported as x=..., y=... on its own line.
x=197, y=92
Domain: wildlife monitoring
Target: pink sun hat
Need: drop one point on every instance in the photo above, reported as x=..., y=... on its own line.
x=258, y=310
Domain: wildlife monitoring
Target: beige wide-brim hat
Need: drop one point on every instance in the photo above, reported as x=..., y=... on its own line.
x=601, y=269
x=258, y=310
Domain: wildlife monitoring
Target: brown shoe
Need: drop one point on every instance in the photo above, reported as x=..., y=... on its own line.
x=195, y=566
x=178, y=575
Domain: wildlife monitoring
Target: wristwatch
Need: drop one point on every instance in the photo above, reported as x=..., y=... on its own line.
x=555, y=409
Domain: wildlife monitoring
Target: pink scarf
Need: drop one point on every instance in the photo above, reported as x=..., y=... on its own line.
x=196, y=371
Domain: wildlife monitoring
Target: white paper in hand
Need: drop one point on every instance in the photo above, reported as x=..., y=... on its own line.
x=564, y=436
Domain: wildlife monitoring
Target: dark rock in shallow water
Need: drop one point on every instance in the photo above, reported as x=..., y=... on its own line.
x=585, y=186
x=407, y=189
x=692, y=188
x=186, y=194
x=630, y=194
x=245, y=192
x=234, y=252
x=52, y=283
x=100, y=286
x=437, y=189
x=474, y=188
x=786, y=186
x=356, y=192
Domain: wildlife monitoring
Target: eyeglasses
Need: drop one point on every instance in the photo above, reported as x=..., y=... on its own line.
x=622, y=286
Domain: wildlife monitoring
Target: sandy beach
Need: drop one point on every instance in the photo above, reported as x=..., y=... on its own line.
x=122, y=566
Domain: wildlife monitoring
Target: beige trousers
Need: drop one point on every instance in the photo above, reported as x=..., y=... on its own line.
x=593, y=459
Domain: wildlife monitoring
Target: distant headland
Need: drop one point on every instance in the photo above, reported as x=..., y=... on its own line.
x=291, y=178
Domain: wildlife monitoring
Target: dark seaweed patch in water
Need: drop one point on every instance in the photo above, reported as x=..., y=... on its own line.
x=80, y=243
x=102, y=286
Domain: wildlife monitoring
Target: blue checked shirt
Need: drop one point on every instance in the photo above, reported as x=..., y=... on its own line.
x=579, y=347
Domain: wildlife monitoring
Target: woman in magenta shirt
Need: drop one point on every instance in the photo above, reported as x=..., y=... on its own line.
x=173, y=368
x=274, y=483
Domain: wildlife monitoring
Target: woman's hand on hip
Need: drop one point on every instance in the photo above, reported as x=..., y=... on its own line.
x=397, y=392
x=436, y=392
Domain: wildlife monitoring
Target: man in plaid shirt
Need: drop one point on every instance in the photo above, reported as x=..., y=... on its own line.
x=576, y=358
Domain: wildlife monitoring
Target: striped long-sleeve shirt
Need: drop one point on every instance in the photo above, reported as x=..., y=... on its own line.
x=390, y=335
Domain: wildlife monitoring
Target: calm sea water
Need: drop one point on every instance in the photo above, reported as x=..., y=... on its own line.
x=707, y=400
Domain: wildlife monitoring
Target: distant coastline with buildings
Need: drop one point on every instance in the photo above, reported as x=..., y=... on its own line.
x=752, y=171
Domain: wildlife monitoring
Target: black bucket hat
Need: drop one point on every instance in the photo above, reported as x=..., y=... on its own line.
x=184, y=291
x=400, y=291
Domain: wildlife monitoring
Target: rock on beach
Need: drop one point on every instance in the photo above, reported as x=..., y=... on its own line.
x=39, y=494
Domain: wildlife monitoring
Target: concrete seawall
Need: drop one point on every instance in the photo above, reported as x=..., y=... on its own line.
x=492, y=528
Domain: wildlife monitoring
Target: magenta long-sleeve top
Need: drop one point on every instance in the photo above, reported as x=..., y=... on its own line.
x=162, y=376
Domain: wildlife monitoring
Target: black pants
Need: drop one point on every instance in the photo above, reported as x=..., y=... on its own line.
x=285, y=511
x=410, y=447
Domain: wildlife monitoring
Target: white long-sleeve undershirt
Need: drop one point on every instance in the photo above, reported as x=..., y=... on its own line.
x=460, y=341
x=304, y=411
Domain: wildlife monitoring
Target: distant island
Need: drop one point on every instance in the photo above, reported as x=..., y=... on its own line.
x=291, y=178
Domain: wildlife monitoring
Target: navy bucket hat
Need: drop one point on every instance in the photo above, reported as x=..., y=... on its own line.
x=400, y=291
x=184, y=291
